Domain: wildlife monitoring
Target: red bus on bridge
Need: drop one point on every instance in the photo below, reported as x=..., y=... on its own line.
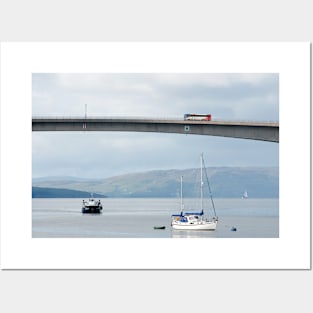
x=197, y=117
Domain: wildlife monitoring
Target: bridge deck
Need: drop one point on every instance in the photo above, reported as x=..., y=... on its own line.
x=149, y=120
x=266, y=131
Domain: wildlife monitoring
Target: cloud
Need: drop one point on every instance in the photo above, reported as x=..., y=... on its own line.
x=144, y=94
x=108, y=153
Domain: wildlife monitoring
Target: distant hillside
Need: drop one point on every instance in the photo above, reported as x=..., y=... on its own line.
x=38, y=192
x=225, y=182
x=60, y=178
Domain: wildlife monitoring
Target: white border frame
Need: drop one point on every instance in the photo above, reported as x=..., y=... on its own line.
x=290, y=251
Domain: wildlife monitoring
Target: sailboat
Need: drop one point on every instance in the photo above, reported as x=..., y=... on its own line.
x=194, y=220
x=245, y=195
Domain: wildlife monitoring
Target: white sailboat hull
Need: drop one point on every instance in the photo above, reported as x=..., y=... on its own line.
x=195, y=226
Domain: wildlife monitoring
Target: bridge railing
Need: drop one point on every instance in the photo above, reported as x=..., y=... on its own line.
x=159, y=118
x=105, y=117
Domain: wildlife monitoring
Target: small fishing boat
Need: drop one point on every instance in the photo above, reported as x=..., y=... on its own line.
x=92, y=206
x=159, y=227
x=194, y=220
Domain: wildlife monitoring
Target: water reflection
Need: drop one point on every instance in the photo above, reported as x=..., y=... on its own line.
x=192, y=233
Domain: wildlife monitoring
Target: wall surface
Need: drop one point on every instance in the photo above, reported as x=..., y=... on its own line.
x=139, y=20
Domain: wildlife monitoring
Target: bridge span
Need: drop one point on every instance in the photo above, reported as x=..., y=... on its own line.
x=265, y=131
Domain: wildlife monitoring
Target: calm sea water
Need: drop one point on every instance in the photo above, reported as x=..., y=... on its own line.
x=136, y=218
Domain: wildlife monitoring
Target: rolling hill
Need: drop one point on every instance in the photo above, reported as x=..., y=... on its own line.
x=38, y=192
x=225, y=182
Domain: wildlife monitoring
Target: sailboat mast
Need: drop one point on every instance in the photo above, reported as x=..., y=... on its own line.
x=181, y=193
x=201, y=182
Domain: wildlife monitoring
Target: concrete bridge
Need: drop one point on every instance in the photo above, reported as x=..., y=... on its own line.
x=265, y=131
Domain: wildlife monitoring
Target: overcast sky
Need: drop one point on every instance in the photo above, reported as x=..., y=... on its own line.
x=102, y=154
